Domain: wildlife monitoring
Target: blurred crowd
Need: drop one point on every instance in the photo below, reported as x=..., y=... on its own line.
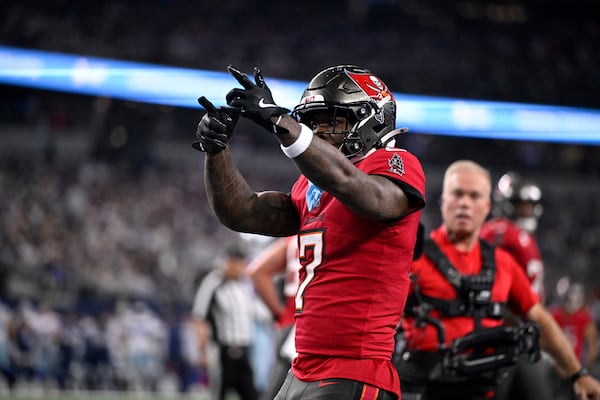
x=99, y=228
x=101, y=256
x=66, y=349
x=99, y=266
x=516, y=51
x=521, y=50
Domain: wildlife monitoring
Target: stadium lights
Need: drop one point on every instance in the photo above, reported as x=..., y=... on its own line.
x=181, y=87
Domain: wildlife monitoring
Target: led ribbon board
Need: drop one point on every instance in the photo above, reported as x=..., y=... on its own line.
x=181, y=87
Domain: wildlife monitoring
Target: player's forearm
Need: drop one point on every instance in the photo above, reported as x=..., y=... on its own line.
x=240, y=208
x=330, y=170
x=229, y=194
x=372, y=197
x=321, y=163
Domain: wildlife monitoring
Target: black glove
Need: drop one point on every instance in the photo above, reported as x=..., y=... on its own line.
x=215, y=128
x=255, y=100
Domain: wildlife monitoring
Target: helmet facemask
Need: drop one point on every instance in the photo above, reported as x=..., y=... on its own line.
x=352, y=142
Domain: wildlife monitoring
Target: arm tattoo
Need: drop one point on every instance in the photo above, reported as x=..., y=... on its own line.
x=240, y=208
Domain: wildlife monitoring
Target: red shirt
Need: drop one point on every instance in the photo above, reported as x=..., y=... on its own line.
x=506, y=234
x=510, y=286
x=573, y=325
x=354, y=279
x=290, y=284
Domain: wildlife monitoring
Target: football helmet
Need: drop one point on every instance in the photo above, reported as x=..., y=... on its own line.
x=359, y=96
x=575, y=297
x=518, y=199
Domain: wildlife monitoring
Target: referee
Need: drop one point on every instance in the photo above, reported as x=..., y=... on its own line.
x=224, y=304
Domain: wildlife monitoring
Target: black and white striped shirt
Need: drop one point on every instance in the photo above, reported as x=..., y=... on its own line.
x=229, y=304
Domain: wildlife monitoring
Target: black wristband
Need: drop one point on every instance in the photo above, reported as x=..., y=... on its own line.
x=582, y=372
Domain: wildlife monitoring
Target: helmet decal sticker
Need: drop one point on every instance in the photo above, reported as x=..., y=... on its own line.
x=371, y=85
x=396, y=164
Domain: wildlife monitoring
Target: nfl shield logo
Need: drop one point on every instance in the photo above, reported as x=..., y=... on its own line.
x=313, y=196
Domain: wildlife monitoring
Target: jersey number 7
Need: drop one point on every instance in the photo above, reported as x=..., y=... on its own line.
x=309, y=242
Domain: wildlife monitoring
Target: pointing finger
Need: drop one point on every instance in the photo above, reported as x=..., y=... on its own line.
x=210, y=108
x=258, y=78
x=241, y=77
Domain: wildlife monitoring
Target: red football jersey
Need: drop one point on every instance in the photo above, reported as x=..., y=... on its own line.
x=573, y=325
x=510, y=286
x=506, y=234
x=354, y=278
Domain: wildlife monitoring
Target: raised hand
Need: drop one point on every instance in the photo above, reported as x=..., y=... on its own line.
x=255, y=100
x=215, y=128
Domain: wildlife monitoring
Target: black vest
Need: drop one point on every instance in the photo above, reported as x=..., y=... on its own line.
x=473, y=292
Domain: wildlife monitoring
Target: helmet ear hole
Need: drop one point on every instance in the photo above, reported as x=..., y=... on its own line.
x=379, y=128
